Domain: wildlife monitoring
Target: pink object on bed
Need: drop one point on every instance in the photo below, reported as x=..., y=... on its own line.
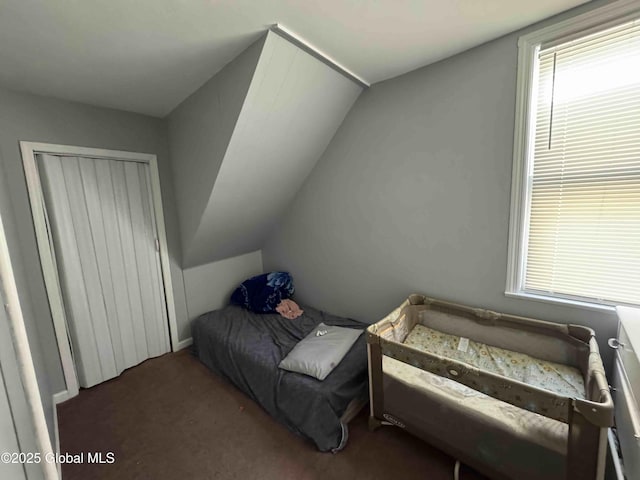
x=289, y=309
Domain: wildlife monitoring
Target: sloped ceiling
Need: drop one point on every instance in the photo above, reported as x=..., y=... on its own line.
x=232, y=186
x=147, y=56
x=199, y=133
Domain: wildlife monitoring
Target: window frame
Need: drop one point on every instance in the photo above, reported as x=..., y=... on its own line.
x=528, y=47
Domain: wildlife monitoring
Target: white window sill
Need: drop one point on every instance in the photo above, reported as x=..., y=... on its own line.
x=566, y=302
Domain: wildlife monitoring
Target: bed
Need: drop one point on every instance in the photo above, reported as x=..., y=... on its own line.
x=513, y=397
x=246, y=349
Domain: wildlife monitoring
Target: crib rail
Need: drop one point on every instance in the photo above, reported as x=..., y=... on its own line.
x=587, y=418
x=501, y=388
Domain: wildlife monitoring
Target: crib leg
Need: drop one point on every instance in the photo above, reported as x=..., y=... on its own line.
x=586, y=449
x=374, y=424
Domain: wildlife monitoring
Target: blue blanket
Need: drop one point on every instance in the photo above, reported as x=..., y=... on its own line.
x=263, y=293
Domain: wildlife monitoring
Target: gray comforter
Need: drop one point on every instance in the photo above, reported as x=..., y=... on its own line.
x=246, y=348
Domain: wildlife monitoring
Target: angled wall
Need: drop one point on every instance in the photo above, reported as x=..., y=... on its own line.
x=293, y=106
x=199, y=132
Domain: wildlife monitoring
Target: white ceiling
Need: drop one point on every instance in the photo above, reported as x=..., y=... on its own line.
x=148, y=55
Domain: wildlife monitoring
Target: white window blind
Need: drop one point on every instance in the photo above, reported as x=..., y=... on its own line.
x=583, y=237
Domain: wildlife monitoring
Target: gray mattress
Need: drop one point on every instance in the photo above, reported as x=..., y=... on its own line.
x=246, y=348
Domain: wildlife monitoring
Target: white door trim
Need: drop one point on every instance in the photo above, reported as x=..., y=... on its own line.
x=24, y=362
x=52, y=283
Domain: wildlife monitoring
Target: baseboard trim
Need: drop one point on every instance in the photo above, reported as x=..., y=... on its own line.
x=56, y=430
x=187, y=342
x=60, y=397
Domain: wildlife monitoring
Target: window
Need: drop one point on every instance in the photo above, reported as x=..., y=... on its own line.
x=575, y=216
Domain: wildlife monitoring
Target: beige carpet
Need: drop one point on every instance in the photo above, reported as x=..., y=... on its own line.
x=171, y=418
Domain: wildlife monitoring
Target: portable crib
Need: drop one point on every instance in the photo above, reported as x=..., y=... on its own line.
x=499, y=425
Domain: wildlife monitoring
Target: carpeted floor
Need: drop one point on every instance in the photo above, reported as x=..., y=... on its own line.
x=171, y=418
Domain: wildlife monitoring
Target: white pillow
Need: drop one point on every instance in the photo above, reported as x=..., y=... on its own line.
x=321, y=351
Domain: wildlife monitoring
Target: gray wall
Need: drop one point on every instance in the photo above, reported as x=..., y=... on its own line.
x=41, y=119
x=199, y=132
x=413, y=194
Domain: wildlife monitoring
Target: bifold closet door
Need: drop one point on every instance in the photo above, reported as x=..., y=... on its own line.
x=104, y=238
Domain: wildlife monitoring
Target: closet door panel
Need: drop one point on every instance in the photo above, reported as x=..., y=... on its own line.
x=104, y=239
x=89, y=266
x=142, y=245
x=123, y=319
x=153, y=259
x=96, y=208
x=70, y=272
x=130, y=263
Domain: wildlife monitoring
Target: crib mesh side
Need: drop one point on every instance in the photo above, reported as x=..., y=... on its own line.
x=573, y=345
x=567, y=344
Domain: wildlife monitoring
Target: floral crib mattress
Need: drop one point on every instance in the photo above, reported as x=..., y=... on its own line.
x=561, y=379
